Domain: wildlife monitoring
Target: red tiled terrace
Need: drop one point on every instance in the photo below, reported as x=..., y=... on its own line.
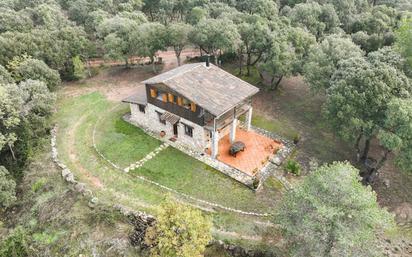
x=256, y=154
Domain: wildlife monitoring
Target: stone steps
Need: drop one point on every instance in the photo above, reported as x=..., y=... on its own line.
x=148, y=157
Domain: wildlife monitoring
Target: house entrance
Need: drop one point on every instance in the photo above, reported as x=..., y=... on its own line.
x=175, y=129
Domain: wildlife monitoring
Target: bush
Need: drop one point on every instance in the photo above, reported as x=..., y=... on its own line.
x=179, y=231
x=28, y=68
x=7, y=188
x=15, y=244
x=103, y=215
x=293, y=167
x=39, y=184
x=296, y=138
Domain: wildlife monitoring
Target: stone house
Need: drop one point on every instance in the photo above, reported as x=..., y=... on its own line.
x=196, y=104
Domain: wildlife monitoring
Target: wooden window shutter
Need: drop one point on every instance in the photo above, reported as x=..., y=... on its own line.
x=179, y=101
x=171, y=98
x=164, y=97
x=153, y=92
x=193, y=106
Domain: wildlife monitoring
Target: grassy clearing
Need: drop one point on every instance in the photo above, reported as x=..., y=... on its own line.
x=123, y=142
x=185, y=174
x=76, y=118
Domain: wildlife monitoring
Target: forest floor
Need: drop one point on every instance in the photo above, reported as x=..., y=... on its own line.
x=294, y=110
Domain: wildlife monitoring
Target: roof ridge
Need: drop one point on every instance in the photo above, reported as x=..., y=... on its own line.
x=195, y=65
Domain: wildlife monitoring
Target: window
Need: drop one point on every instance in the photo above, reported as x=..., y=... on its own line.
x=159, y=114
x=142, y=108
x=171, y=98
x=188, y=130
x=186, y=103
x=153, y=92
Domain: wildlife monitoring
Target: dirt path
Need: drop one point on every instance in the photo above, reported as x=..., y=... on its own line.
x=73, y=154
x=168, y=57
x=117, y=82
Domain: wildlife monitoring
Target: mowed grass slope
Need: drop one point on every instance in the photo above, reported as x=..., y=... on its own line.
x=76, y=118
x=120, y=141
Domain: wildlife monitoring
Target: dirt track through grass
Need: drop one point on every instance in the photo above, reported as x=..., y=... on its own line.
x=76, y=118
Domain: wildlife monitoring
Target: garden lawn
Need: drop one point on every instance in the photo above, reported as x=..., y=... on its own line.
x=76, y=118
x=120, y=141
x=183, y=173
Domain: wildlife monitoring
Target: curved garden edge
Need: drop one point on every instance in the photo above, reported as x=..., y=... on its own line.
x=168, y=189
x=141, y=216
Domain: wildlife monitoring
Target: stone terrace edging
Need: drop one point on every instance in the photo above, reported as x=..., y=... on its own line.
x=274, y=166
x=68, y=176
x=198, y=201
x=222, y=167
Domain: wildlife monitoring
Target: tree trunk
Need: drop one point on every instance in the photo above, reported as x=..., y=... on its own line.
x=278, y=82
x=127, y=62
x=153, y=64
x=274, y=86
x=240, y=62
x=12, y=152
x=366, y=149
x=382, y=160
x=88, y=67
x=178, y=59
x=357, y=148
x=248, y=64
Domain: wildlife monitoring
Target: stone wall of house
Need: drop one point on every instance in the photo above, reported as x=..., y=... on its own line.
x=138, y=116
x=150, y=120
x=198, y=140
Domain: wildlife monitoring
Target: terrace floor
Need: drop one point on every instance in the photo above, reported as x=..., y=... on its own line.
x=258, y=150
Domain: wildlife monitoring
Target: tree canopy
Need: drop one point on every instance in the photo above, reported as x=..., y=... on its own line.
x=179, y=231
x=332, y=214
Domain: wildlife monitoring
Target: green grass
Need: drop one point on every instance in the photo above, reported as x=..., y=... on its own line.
x=123, y=142
x=179, y=171
x=276, y=126
x=76, y=118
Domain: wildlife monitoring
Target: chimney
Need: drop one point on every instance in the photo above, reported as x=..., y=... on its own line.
x=207, y=61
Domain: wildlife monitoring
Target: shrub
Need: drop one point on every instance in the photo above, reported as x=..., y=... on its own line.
x=179, y=231
x=293, y=167
x=103, y=215
x=38, y=185
x=15, y=244
x=78, y=68
x=7, y=188
x=296, y=138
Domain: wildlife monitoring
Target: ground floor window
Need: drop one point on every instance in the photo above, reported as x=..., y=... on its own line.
x=188, y=130
x=159, y=114
x=142, y=108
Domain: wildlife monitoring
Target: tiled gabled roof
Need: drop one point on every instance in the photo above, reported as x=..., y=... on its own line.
x=212, y=88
